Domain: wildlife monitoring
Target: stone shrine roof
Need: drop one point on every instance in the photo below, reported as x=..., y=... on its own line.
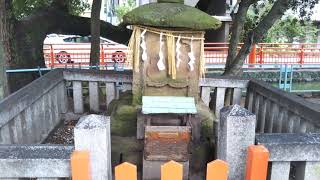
x=167, y=14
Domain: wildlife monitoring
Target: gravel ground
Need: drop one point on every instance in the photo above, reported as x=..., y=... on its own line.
x=63, y=134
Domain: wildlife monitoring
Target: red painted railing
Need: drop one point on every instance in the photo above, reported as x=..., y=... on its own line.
x=215, y=53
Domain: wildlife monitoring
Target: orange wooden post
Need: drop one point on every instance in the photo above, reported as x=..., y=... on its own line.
x=217, y=170
x=125, y=171
x=80, y=166
x=302, y=54
x=253, y=55
x=171, y=171
x=101, y=55
x=257, y=163
x=261, y=55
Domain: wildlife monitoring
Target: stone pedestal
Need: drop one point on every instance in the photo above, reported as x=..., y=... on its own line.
x=162, y=144
x=236, y=133
x=92, y=133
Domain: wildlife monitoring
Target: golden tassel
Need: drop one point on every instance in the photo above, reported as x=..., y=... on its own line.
x=171, y=56
x=137, y=50
x=202, y=61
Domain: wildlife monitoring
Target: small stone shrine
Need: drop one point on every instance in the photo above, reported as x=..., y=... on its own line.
x=167, y=44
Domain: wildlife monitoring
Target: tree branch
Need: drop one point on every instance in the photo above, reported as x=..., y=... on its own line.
x=256, y=35
x=238, y=25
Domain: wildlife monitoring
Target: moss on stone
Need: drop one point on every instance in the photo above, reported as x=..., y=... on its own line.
x=123, y=121
x=126, y=149
x=207, y=117
x=171, y=1
x=171, y=15
x=123, y=115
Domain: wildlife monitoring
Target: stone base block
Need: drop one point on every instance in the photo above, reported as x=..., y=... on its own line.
x=152, y=169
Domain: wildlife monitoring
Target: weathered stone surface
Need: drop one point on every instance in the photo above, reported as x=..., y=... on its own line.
x=92, y=133
x=164, y=143
x=45, y=161
x=77, y=97
x=236, y=133
x=309, y=171
x=280, y=170
x=291, y=147
x=94, y=96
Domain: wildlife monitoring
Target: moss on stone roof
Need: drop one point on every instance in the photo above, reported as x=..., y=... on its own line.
x=171, y=15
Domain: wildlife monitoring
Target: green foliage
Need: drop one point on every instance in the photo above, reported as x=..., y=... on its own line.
x=123, y=9
x=24, y=8
x=289, y=28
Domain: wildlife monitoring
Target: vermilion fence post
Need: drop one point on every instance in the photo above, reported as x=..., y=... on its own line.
x=261, y=55
x=302, y=54
x=171, y=171
x=257, y=163
x=125, y=171
x=101, y=55
x=51, y=57
x=80, y=165
x=217, y=170
x=253, y=55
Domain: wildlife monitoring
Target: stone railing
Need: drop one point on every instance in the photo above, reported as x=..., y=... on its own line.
x=295, y=155
x=280, y=112
x=28, y=115
x=35, y=161
x=112, y=81
x=220, y=85
x=276, y=110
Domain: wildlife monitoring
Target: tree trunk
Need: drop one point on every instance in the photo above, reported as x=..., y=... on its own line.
x=255, y=36
x=4, y=91
x=237, y=29
x=95, y=33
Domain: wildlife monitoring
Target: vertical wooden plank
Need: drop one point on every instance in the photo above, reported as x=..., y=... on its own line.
x=77, y=97
x=80, y=168
x=110, y=93
x=296, y=124
x=219, y=101
x=257, y=163
x=205, y=95
x=30, y=138
x=62, y=98
x=217, y=170
x=94, y=96
x=5, y=135
x=261, y=119
x=16, y=128
x=279, y=125
x=290, y=123
x=249, y=100
x=303, y=127
x=171, y=171
x=268, y=117
x=280, y=170
x=256, y=105
x=236, y=97
x=126, y=171
x=275, y=117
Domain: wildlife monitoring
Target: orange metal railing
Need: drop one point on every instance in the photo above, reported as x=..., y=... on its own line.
x=56, y=55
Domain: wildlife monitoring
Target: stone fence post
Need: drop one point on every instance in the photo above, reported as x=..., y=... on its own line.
x=92, y=134
x=236, y=133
